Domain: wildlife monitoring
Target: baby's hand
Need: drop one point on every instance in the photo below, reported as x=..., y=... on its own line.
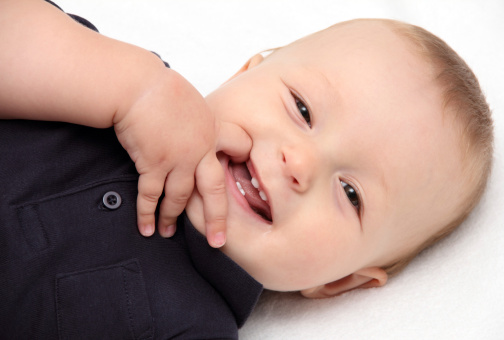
x=169, y=132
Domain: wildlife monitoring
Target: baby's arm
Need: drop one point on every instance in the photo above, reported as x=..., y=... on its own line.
x=53, y=68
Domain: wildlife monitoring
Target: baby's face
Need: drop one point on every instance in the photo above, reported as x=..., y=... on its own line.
x=351, y=159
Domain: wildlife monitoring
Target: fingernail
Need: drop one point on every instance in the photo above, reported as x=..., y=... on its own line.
x=148, y=230
x=168, y=231
x=219, y=239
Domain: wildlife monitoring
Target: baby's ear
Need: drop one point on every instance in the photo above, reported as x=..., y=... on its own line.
x=255, y=60
x=364, y=278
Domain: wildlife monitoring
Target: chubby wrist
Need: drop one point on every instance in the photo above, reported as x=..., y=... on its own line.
x=160, y=99
x=148, y=76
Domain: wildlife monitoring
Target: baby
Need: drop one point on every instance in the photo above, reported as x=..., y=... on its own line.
x=352, y=150
x=371, y=140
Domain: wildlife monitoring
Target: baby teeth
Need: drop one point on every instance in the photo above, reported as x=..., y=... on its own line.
x=255, y=183
x=263, y=196
x=240, y=188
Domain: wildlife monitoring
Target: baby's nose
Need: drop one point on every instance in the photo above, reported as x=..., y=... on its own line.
x=299, y=167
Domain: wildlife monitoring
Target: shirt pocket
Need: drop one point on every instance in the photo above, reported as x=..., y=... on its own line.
x=107, y=302
x=86, y=219
x=75, y=255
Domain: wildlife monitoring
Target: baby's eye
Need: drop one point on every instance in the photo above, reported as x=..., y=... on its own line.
x=352, y=195
x=305, y=113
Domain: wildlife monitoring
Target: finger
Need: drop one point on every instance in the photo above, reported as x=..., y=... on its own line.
x=234, y=141
x=167, y=230
x=212, y=188
x=150, y=187
x=178, y=188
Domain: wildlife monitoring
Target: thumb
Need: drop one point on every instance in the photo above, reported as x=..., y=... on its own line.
x=234, y=142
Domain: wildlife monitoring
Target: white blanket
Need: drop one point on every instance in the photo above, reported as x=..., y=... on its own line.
x=451, y=291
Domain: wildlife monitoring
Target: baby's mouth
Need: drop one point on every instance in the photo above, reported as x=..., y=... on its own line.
x=250, y=189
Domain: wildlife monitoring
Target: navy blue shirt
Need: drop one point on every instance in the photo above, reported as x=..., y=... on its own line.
x=73, y=264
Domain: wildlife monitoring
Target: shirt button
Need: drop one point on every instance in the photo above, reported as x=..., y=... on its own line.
x=112, y=200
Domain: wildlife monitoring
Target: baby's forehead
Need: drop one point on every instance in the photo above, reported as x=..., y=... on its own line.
x=373, y=43
x=363, y=32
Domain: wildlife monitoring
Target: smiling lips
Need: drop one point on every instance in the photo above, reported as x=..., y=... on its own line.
x=249, y=188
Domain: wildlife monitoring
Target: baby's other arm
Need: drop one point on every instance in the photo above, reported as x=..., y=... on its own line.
x=56, y=69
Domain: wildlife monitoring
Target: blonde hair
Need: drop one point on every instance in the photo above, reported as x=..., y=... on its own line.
x=464, y=99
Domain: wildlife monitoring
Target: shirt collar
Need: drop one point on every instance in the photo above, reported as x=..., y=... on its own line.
x=240, y=290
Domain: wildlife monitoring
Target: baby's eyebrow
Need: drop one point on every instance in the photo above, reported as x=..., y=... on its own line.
x=326, y=83
x=383, y=182
x=381, y=187
x=325, y=79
